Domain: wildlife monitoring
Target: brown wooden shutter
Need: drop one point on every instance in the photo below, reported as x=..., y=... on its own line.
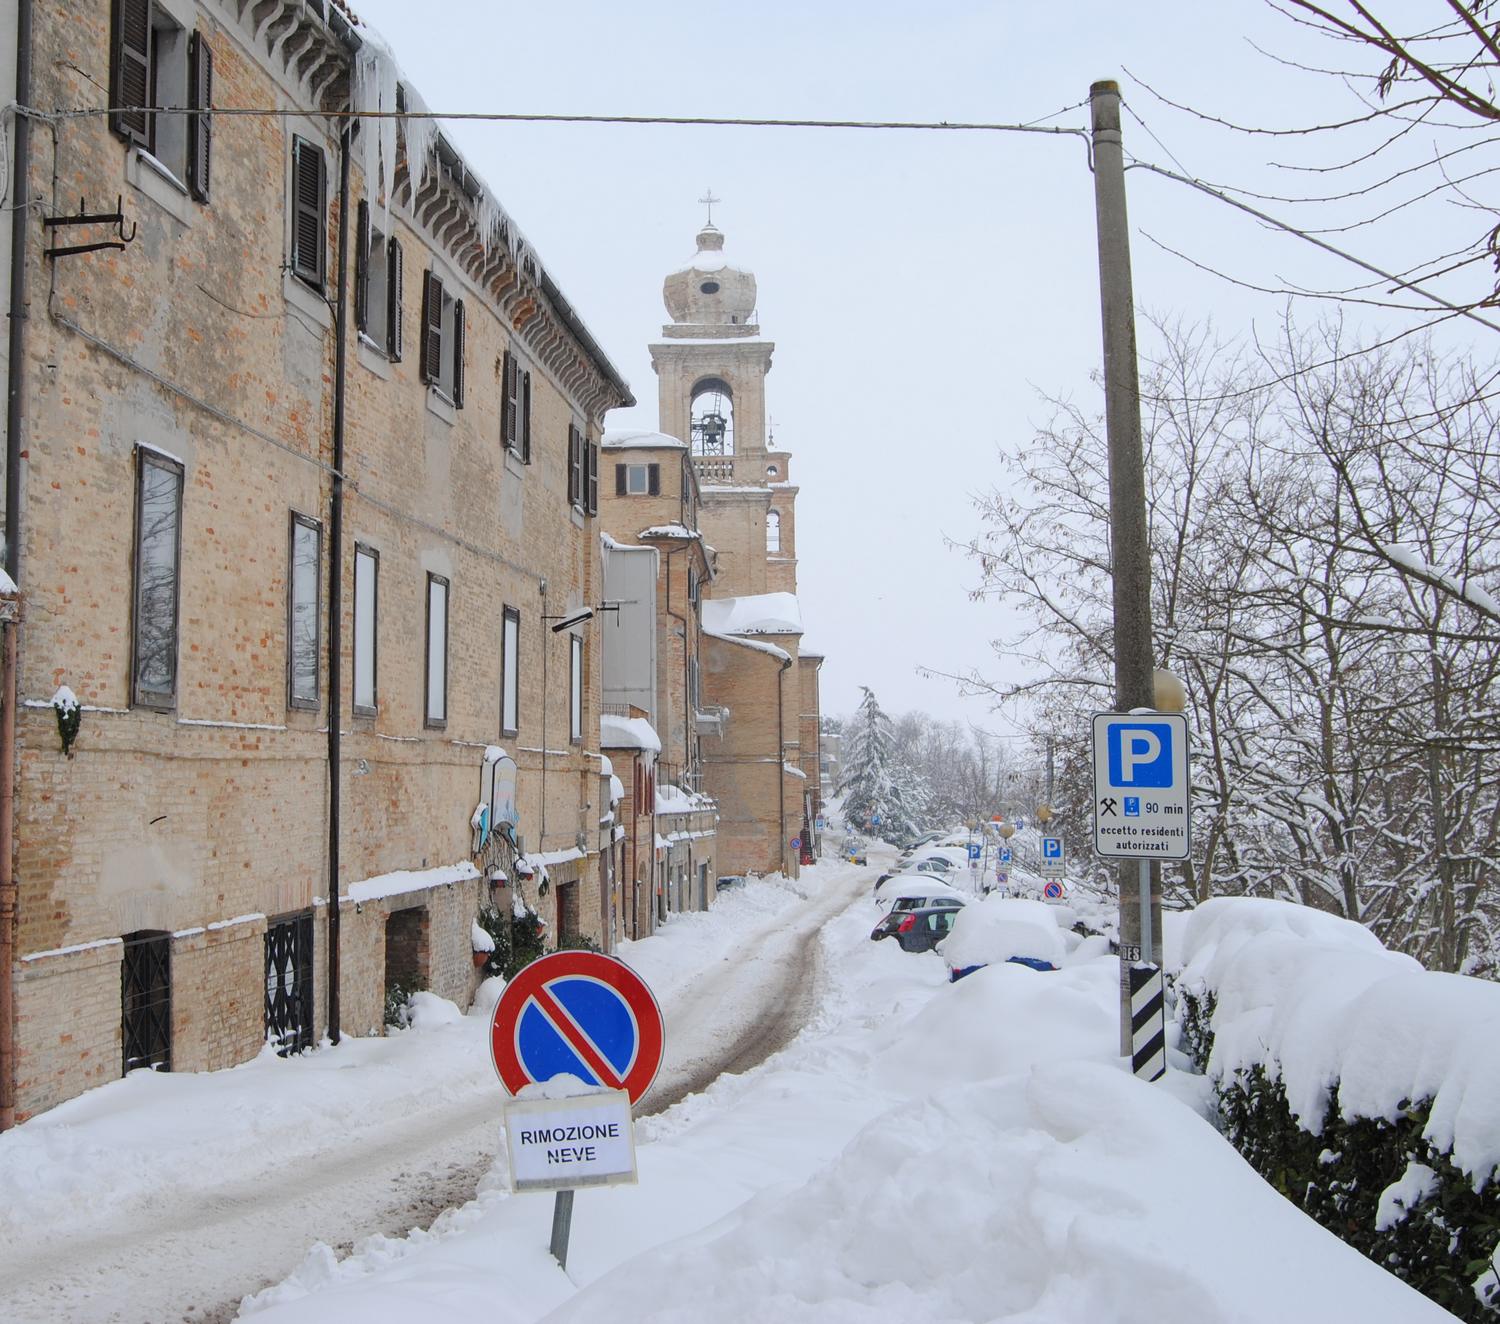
x=307, y=212
x=508, y=402
x=458, y=354
x=362, y=267
x=653, y=479
x=200, y=127
x=572, y=465
x=619, y=480
x=395, y=277
x=130, y=70
x=526, y=417
x=432, y=327
x=593, y=477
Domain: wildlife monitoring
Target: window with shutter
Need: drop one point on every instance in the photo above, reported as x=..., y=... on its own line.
x=308, y=213
x=575, y=484
x=362, y=266
x=395, y=276
x=508, y=411
x=593, y=478
x=432, y=327
x=455, y=373
x=653, y=479
x=130, y=71
x=620, y=478
x=199, y=126
x=525, y=418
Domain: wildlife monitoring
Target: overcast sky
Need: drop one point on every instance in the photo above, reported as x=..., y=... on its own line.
x=921, y=288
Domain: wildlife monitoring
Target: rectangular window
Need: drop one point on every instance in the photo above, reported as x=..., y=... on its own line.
x=437, y=650
x=515, y=408
x=155, y=63
x=442, y=340
x=510, y=671
x=302, y=633
x=309, y=213
x=366, y=616
x=575, y=689
x=637, y=479
x=591, y=478
x=377, y=286
x=575, y=467
x=158, y=562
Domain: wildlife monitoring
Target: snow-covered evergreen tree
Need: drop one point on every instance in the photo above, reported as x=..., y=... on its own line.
x=876, y=784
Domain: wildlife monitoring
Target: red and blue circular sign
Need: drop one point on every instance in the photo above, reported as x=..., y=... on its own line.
x=1053, y=891
x=580, y=1013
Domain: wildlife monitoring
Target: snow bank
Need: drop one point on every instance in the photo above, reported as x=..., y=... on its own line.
x=924, y=1151
x=1318, y=1003
x=993, y=930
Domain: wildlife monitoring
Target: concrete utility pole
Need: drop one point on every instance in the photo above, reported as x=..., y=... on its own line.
x=1129, y=550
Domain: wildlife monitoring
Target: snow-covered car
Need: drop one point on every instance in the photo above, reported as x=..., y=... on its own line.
x=899, y=921
x=922, y=887
x=922, y=929
x=1003, y=929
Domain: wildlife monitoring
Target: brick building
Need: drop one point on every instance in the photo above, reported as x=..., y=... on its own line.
x=303, y=589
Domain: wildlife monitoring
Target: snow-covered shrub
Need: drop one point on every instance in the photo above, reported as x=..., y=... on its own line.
x=398, y=998
x=517, y=935
x=1365, y=1089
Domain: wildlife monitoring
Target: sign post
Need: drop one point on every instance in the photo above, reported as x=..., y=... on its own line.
x=1141, y=803
x=591, y=1017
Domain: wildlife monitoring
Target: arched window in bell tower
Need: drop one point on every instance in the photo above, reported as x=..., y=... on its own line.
x=773, y=531
x=713, y=418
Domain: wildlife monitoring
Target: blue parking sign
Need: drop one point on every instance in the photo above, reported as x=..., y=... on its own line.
x=1052, y=848
x=1140, y=754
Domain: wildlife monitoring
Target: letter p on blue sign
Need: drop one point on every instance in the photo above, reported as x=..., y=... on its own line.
x=1140, y=754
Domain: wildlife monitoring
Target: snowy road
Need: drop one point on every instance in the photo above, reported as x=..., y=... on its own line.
x=190, y=1251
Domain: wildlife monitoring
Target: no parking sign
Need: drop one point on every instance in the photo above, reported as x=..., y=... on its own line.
x=580, y=1013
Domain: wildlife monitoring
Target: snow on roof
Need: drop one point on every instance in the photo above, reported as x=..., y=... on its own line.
x=709, y=259
x=409, y=880
x=621, y=439
x=679, y=531
x=617, y=732
x=759, y=613
x=749, y=643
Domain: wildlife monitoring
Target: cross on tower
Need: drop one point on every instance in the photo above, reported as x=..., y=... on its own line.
x=708, y=201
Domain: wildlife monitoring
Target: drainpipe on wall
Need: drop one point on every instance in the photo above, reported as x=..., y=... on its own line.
x=336, y=586
x=15, y=413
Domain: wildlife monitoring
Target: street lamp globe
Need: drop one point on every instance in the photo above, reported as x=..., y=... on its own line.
x=1170, y=693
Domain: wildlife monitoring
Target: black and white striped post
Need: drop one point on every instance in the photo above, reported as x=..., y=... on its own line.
x=1148, y=1003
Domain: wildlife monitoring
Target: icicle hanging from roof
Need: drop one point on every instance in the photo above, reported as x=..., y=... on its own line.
x=421, y=138
x=376, y=77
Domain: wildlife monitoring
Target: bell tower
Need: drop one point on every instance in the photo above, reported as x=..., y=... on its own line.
x=711, y=365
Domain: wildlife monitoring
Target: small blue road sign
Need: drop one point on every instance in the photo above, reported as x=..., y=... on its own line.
x=1052, y=848
x=874, y=820
x=820, y=824
x=1004, y=854
x=975, y=850
x=796, y=843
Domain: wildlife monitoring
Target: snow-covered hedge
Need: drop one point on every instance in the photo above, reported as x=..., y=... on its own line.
x=1365, y=1088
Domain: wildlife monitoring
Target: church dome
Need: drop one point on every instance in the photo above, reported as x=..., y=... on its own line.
x=710, y=290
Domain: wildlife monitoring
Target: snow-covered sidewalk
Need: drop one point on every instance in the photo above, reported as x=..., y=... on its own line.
x=922, y=1151
x=160, y=1179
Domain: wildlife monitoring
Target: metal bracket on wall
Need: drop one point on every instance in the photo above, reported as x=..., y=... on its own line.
x=115, y=218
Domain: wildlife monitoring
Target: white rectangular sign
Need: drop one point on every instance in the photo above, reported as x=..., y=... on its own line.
x=560, y=1144
x=1141, y=786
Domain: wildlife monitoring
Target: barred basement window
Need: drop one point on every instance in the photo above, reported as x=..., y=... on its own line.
x=146, y=1002
x=289, y=984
